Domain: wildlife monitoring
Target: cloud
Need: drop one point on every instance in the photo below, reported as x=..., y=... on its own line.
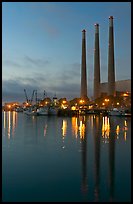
x=11, y=63
x=14, y=89
x=63, y=83
x=36, y=62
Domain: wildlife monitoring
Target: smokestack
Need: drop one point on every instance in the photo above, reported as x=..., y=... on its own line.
x=111, y=66
x=96, y=64
x=83, y=68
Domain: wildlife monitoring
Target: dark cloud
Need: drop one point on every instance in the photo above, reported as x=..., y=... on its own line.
x=36, y=62
x=64, y=84
x=14, y=89
x=11, y=63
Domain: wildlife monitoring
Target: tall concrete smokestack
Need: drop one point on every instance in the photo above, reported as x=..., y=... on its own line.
x=96, y=64
x=111, y=66
x=83, y=68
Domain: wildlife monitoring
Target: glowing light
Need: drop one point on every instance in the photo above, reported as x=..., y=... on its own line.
x=106, y=100
x=73, y=108
x=82, y=130
x=103, y=104
x=125, y=135
x=63, y=106
x=105, y=127
x=64, y=128
x=81, y=101
x=125, y=94
x=125, y=123
x=9, y=124
x=13, y=122
x=75, y=126
x=117, y=129
x=118, y=103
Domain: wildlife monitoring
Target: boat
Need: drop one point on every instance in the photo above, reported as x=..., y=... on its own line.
x=30, y=112
x=19, y=109
x=43, y=110
x=115, y=112
x=53, y=110
x=127, y=114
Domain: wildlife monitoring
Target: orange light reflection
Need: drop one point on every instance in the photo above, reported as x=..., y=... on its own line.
x=105, y=127
x=64, y=128
x=75, y=126
x=9, y=124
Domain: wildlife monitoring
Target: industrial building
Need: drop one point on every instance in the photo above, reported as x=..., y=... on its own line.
x=121, y=86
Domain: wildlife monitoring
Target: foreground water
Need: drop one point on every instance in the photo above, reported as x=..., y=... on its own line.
x=65, y=159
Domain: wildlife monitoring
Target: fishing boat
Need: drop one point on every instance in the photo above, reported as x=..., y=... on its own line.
x=19, y=109
x=127, y=114
x=30, y=111
x=54, y=106
x=53, y=110
x=43, y=110
x=115, y=112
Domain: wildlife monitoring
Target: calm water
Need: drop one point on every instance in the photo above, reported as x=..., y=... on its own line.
x=65, y=159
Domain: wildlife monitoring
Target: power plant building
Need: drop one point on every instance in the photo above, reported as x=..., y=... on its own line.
x=83, y=93
x=121, y=86
x=96, y=64
x=111, y=63
x=112, y=87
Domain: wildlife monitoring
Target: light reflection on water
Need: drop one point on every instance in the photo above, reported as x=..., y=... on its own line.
x=78, y=125
x=102, y=130
x=9, y=123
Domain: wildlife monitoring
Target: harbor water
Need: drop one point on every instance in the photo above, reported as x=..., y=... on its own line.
x=65, y=159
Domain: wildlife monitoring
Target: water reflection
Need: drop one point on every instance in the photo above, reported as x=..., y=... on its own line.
x=82, y=127
x=105, y=128
x=45, y=129
x=9, y=123
x=112, y=159
x=97, y=136
x=86, y=131
x=14, y=122
x=125, y=130
x=4, y=120
x=31, y=130
x=83, y=137
x=75, y=126
x=117, y=130
x=64, y=128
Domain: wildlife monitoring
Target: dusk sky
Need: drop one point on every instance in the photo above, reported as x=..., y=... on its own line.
x=41, y=46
